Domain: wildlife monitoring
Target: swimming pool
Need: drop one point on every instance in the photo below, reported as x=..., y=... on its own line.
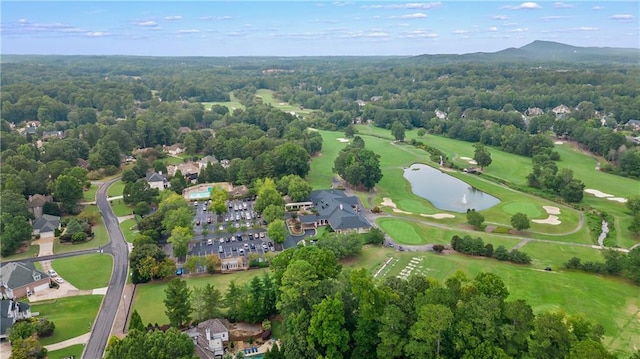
x=201, y=194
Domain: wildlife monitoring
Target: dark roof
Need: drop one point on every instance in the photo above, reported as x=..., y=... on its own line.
x=38, y=200
x=18, y=274
x=5, y=322
x=155, y=177
x=308, y=218
x=214, y=325
x=633, y=122
x=339, y=209
x=46, y=223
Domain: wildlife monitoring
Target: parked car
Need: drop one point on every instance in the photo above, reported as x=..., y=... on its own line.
x=246, y=246
x=59, y=280
x=220, y=249
x=253, y=246
x=179, y=271
x=209, y=220
x=221, y=240
x=241, y=251
x=265, y=246
x=197, y=222
x=262, y=234
x=234, y=249
x=52, y=273
x=209, y=241
x=227, y=239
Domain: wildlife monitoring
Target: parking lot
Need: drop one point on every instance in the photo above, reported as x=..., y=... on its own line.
x=212, y=236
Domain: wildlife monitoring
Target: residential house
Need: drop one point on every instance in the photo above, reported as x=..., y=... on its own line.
x=52, y=134
x=45, y=225
x=174, y=150
x=534, y=111
x=360, y=103
x=10, y=312
x=376, y=98
x=157, y=180
x=561, y=110
x=634, y=124
x=182, y=130
x=441, y=115
x=225, y=163
x=189, y=170
x=20, y=279
x=36, y=204
x=337, y=210
x=209, y=338
x=202, y=163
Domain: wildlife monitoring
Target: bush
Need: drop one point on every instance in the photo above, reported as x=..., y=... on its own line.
x=438, y=248
x=376, y=209
x=45, y=327
x=79, y=237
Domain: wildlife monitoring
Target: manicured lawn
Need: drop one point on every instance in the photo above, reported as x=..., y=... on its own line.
x=173, y=160
x=267, y=98
x=556, y=255
x=30, y=253
x=231, y=105
x=115, y=189
x=609, y=301
x=68, y=352
x=73, y=316
x=127, y=231
x=90, y=194
x=119, y=208
x=321, y=174
x=100, y=237
x=149, y=298
x=89, y=271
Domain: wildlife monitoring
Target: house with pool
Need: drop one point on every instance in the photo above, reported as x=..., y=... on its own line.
x=203, y=191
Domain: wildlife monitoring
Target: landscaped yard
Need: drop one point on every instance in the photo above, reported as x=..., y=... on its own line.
x=115, y=189
x=73, y=316
x=119, y=208
x=267, y=98
x=149, y=298
x=90, y=194
x=30, y=253
x=128, y=233
x=100, y=238
x=89, y=271
x=74, y=351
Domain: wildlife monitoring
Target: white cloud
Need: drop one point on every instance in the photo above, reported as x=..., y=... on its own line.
x=208, y=18
x=97, y=34
x=73, y=29
x=597, y=8
x=624, y=17
x=554, y=17
x=493, y=29
x=364, y=34
x=524, y=6
x=23, y=21
x=147, y=23
x=562, y=5
x=173, y=17
x=586, y=28
x=417, y=15
x=188, y=31
x=418, y=34
x=409, y=6
x=460, y=32
x=500, y=17
x=519, y=29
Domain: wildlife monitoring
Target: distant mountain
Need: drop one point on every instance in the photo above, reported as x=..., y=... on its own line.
x=545, y=51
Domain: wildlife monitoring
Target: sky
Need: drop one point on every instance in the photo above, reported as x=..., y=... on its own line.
x=309, y=28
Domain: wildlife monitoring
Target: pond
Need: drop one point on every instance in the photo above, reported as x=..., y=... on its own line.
x=446, y=192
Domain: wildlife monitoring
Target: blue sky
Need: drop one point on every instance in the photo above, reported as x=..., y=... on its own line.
x=309, y=28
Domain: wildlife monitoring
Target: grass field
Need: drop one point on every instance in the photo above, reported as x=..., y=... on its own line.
x=267, y=98
x=556, y=255
x=85, y=272
x=119, y=208
x=115, y=189
x=611, y=302
x=30, y=253
x=127, y=232
x=101, y=237
x=73, y=316
x=149, y=298
x=74, y=351
x=231, y=105
x=90, y=194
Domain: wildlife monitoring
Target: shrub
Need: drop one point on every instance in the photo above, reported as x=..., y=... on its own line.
x=79, y=237
x=376, y=209
x=45, y=327
x=438, y=248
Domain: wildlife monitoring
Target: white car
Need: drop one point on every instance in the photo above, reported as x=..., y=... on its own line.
x=209, y=241
x=59, y=280
x=52, y=273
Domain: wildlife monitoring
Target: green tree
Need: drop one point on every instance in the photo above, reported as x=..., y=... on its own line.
x=267, y=195
x=349, y=131
x=375, y=236
x=28, y=348
x=179, y=239
x=393, y=333
x=218, y=200
x=129, y=176
x=520, y=221
x=135, y=322
x=481, y=155
x=207, y=301
x=421, y=132
x=326, y=330
x=552, y=337
x=139, y=191
x=633, y=204
x=291, y=158
x=272, y=212
x=179, y=217
x=193, y=262
x=68, y=191
x=156, y=344
x=104, y=154
x=20, y=330
x=298, y=189
x=178, y=183
x=426, y=333
x=474, y=218
x=15, y=231
x=212, y=263
x=277, y=231
x=178, y=302
x=397, y=130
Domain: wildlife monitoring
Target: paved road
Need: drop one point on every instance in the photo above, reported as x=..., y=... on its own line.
x=107, y=314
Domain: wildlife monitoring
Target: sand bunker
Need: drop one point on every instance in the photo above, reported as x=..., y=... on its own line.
x=388, y=202
x=551, y=209
x=466, y=158
x=552, y=220
x=618, y=199
x=342, y=139
x=597, y=193
x=559, y=143
x=438, y=215
x=470, y=160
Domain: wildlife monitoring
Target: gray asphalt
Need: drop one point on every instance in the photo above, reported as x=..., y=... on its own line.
x=101, y=330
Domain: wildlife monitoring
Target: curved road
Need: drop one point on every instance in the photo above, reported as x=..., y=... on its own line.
x=104, y=321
